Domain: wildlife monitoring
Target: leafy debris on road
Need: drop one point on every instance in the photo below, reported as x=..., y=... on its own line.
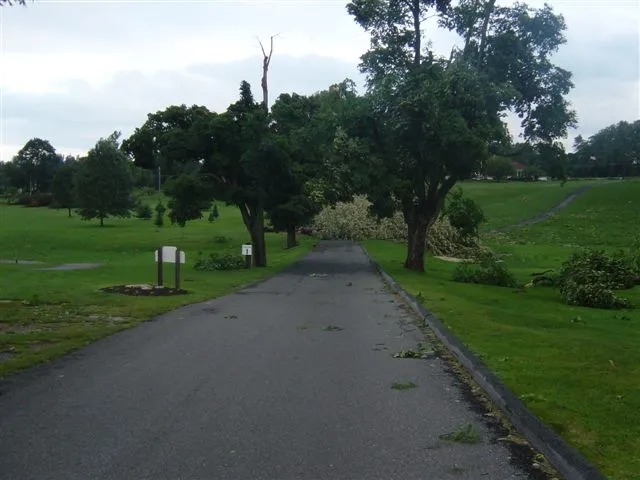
x=422, y=351
x=465, y=434
x=403, y=386
x=332, y=328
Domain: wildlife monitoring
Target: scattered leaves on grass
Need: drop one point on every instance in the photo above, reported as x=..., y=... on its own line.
x=465, y=434
x=403, y=386
x=143, y=290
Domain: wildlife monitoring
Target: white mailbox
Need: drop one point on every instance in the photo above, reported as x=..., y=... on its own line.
x=247, y=249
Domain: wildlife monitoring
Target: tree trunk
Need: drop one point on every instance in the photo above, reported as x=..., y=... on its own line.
x=416, y=242
x=253, y=218
x=291, y=237
x=102, y=221
x=488, y=10
x=69, y=208
x=257, y=238
x=265, y=71
x=417, y=43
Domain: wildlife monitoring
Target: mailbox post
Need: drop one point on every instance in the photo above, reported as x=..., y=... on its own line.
x=169, y=254
x=247, y=250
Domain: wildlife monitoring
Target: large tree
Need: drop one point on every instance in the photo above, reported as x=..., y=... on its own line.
x=436, y=120
x=32, y=169
x=612, y=151
x=62, y=187
x=232, y=153
x=103, y=182
x=499, y=167
x=189, y=197
x=242, y=162
x=164, y=144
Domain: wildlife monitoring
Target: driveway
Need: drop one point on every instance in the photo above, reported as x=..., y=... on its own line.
x=288, y=379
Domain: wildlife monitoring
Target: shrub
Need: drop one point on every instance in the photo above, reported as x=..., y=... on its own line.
x=392, y=228
x=445, y=240
x=160, y=209
x=143, y=211
x=594, y=295
x=353, y=221
x=213, y=214
x=589, y=278
x=346, y=221
x=595, y=266
x=36, y=199
x=632, y=258
x=464, y=214
x=219, y=261
x=489, y=271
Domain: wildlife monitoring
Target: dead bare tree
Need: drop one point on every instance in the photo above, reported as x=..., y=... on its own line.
x=265, y=70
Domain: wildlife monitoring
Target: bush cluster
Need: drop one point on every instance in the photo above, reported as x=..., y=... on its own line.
x=219, y=261
x=353, y=221
x=36, y=199
x=464, y=214
x=488, y=271
x=589, y=278
x=346, y=221
x=143, y=211
x=445, y=240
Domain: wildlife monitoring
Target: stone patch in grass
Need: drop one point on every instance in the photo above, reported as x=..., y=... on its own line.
x=73, y=266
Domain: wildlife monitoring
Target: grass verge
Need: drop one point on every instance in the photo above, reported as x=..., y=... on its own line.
x=578, y=369
x=45, y=314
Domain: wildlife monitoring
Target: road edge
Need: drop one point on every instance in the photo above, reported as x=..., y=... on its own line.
x=570, y=463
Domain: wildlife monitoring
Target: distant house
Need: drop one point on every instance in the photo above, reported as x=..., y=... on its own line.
x=519, y=169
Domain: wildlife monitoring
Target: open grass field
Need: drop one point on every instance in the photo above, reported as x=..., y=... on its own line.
x=525, y=199
x=577, y=368
x=44, y=314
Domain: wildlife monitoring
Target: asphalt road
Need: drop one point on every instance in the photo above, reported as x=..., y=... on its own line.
x=256, y=385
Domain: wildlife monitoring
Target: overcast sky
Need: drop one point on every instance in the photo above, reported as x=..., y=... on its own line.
x=74, y=71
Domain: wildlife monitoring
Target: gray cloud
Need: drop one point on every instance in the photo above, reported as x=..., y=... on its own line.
x=112, y=63
x=84, y=113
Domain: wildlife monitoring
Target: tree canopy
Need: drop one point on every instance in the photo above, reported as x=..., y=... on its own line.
x=103, y=182
x=434, y=121
x=612, y=151
x=62, y=187
x=32, y=169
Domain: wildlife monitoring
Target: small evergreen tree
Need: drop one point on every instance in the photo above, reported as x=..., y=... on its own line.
x=160, y=209
x=62, y=187
x=213, y=215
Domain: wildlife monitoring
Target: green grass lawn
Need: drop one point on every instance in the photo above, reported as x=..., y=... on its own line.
x=577, y=368
x=508, y=203
x=44, y=314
